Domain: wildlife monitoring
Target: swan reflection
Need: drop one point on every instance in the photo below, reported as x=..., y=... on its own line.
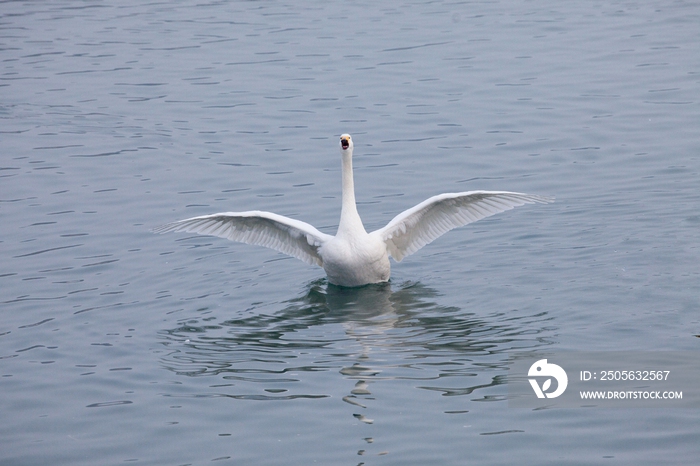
x=377, y=334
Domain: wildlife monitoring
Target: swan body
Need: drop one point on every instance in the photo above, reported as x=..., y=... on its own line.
x=354, y=257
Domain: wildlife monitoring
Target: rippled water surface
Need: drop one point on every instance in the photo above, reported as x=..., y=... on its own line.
x=119, y=346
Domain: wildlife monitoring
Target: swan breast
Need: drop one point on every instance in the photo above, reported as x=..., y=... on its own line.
x=356, y=261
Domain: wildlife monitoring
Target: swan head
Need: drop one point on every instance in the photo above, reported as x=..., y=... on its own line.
x=346, y=144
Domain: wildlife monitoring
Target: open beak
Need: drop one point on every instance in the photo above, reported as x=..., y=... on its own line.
x=344, y=143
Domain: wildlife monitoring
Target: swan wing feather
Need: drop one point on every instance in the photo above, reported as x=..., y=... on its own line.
x=292, y=237
x=420, y=225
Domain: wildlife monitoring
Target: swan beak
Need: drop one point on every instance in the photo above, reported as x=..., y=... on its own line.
x=345, y=141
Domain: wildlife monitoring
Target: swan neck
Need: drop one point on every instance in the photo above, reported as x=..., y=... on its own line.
x=349, y=218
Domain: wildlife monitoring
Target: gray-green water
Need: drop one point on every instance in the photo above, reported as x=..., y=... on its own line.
x=118, y=346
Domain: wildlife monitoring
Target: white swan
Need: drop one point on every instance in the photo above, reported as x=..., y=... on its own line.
x=354, y=257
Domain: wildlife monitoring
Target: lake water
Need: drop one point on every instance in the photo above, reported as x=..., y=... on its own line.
x=118, y=346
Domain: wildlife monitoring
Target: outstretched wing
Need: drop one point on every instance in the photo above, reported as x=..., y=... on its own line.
x=414, y=228
x=292, y=237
